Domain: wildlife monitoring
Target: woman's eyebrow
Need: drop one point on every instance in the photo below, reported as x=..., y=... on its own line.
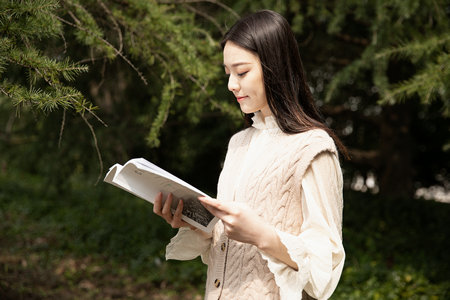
x=237, y=64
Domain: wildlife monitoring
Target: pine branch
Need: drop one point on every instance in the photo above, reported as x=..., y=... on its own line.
x=167, y=96
x=57, y=96
x=417, y=48
x=427, y=84
x=29, y=19
x=48, y=68
x=227, y=108
x=61, y=129
x=97, y=149
x=350, y=72
x=32, y=7
x=141, y=76
x=218, y=3
x=207, y=17
x=46, y=101
x=353, y=39
x=115, y=24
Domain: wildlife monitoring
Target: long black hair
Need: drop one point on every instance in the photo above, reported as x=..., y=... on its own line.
x=268, y=35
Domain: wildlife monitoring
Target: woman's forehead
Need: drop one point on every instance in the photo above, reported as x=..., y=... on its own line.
x=234, y=56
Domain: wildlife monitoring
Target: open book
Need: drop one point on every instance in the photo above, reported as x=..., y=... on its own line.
x=145, y=180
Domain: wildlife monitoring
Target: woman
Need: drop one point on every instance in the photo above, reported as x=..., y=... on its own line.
x=280, y=191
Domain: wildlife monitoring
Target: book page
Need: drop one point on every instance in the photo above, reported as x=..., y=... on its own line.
x=144, y=165
x=146, y=180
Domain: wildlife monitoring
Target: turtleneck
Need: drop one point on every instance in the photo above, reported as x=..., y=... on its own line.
x=265, y=123
x=265, y=129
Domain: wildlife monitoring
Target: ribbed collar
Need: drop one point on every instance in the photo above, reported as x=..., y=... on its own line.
x=267, y=123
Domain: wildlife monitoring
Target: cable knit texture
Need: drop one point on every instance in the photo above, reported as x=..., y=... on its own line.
x=264, y=168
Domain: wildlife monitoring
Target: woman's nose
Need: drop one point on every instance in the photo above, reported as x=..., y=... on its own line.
x=233, y=84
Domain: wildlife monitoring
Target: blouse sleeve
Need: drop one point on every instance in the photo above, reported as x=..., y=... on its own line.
x=188, y=244
x=317, y=250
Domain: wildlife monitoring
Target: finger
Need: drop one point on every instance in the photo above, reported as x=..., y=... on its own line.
x=176, y=220
x=205, y=203
x=209, y=201
x=166, y=213
x=214, y=205
x=157, y=204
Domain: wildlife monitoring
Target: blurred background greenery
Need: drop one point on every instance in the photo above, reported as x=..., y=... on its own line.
x=86, y=84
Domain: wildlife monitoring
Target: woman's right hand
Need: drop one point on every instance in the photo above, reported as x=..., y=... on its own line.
x=165, y=212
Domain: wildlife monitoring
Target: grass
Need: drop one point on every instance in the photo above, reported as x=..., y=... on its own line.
x=97, y=242
x=94, y=242
x=396, y=249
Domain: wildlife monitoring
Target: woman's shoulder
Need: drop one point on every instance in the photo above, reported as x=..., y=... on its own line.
x=312, y=135
x=241, y=137
x=314, y=138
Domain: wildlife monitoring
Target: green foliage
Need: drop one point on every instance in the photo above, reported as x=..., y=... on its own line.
x=89, y=223
x=393, y=23
x=46, y=101
x=387, y=31
x=27, y=20
x=24, y=24
x=154, y=40
x=395, y=248
x=161, y=36
x=88, y=32
x=166, y=100
x=375, y=281
x=149, y=64
x=431, y=81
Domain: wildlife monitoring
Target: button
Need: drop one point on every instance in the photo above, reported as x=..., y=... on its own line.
x=223, y=246
x=217, y=283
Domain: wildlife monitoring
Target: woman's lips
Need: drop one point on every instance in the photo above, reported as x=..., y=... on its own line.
x=239, y=99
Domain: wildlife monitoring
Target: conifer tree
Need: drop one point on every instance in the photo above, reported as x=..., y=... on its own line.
x=156, y=40
x=47, y=45
x=378, y=68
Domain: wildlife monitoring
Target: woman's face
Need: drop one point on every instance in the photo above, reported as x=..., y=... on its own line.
x=245, y=78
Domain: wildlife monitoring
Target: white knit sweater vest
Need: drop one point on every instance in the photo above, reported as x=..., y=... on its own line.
x=271, y=185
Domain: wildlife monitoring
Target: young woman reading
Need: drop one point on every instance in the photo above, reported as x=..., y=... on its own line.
x=279, y=197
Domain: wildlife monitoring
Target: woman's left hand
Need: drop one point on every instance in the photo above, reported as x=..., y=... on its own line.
x=240, y=222
x=243, y=225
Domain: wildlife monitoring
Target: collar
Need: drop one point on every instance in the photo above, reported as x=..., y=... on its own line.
x=267, y=123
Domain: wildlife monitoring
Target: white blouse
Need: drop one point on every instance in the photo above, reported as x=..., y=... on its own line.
x=318, y=250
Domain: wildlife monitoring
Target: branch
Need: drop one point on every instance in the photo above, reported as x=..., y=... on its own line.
x=206, y=16
x=5, y=92
x=352, y=39
x=340, y=61
x=337, y=110
x=99, y=155
x=229, y=9
x=109, y=44
x=61, y=130
x=164, y=107
x=116, y=25
x=365, y=157
x=92, y=59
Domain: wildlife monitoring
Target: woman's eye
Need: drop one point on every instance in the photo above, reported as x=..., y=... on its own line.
x=242, y=74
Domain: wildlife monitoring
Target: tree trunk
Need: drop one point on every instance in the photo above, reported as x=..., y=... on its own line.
x=395, y=165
